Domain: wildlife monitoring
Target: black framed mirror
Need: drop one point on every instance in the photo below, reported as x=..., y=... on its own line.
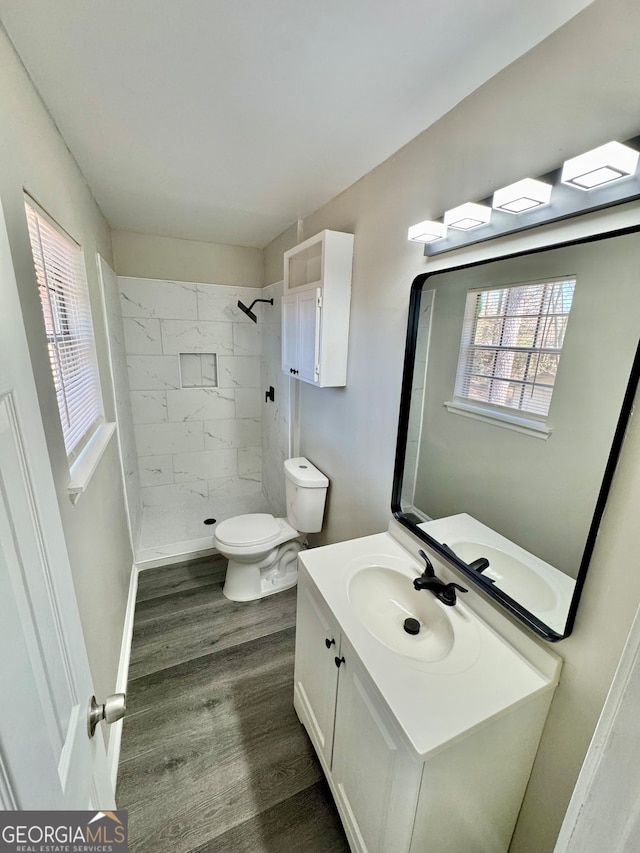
x=519, y=378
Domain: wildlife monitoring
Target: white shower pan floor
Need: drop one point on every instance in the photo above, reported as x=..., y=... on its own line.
x=169, y=533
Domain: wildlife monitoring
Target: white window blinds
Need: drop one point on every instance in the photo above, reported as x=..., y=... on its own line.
x=512, y=338
x=64, y=295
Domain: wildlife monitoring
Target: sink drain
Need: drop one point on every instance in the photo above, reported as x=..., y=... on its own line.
x=209, y=521
x=411, y=625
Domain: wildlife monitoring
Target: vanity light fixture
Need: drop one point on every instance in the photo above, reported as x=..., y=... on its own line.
x=467, y=216
x=601, y=165
x=521, y=196
x=531, y=199
x=427, y=231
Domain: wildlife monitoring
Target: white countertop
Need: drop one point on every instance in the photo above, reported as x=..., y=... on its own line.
x=433, y=703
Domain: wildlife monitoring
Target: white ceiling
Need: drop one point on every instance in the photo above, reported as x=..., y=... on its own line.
x=227, y=120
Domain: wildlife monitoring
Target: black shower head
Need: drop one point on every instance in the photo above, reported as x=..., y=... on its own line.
x=248, y=310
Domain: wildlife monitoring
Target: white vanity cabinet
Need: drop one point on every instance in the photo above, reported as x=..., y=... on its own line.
x=374, y=780
x=316, y=674
x=420, y=758
x=315, y=309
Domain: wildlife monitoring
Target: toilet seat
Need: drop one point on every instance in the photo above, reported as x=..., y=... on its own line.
x=258, y=528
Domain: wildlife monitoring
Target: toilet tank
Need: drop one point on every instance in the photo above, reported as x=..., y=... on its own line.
x=306, y=488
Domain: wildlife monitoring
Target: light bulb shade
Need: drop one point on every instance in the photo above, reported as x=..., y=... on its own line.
x=467, y=216
x=600, y=166
x=427, y=231
x=521, y=196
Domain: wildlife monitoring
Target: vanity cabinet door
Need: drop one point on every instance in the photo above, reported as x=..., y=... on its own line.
x=376, y=780
x=316, y=673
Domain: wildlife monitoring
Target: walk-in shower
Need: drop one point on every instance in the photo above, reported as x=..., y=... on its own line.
x=203, y=446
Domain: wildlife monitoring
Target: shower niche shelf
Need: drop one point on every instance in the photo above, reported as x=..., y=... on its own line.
x=315, y=309
x=198, y=369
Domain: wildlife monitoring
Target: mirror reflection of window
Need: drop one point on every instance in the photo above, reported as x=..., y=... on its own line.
x=511, y=344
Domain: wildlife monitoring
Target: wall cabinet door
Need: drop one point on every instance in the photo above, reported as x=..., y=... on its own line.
x=377, y=783
x=301, y=319
x=316, y=674
x=289, y=333
x=309, y=318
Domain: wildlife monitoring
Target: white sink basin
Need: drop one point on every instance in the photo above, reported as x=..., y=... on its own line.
x=383, y=598
x=514, y=577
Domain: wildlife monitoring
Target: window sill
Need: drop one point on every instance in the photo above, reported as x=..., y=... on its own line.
x=526, y=426
x=85, y=465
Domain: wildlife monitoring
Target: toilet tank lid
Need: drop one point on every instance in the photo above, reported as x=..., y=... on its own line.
x=303, y=473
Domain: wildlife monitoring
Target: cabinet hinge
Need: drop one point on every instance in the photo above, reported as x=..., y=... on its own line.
x=319, y=300
x=317, y=371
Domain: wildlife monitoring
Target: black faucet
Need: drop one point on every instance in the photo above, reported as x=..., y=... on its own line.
x=478, y=565
x=445, y=592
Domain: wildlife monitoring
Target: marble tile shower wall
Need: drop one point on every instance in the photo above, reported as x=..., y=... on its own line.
x=202, y=442
x=276, y=415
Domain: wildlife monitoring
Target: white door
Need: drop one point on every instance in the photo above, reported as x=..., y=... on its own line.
x=47, y=760
x=309, y=335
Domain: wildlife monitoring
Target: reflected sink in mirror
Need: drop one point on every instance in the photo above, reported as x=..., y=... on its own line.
x=522, y=576
x=382, y=598
x=512, y=575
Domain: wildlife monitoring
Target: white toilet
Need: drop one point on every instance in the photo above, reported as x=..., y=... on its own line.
x=262, y=550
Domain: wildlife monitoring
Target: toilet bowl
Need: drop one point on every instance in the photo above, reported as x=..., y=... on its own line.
x=262, y=550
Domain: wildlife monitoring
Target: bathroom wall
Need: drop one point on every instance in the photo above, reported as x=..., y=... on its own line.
x=34, y=157
x=575, y=90
x=122, y=399
x=153, y=256
x=194, y=442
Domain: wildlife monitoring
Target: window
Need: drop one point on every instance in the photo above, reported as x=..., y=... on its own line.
x=64, y=296
x=512, y=339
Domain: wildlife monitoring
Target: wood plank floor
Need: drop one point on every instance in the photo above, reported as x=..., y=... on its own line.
x=214, y=759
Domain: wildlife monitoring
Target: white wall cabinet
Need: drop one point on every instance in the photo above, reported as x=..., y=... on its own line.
x=315, y=312
x=464, y=797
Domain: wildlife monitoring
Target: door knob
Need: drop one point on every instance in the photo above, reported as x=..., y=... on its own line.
x=113, y=710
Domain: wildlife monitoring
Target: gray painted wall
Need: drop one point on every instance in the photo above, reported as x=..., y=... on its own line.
x=34, y=157
x=152, y=256
x=577, y=89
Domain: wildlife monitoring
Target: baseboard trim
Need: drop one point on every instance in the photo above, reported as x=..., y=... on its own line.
x=182, y=552
x=115, y=737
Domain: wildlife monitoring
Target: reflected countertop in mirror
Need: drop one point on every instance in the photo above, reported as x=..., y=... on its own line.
x=516, y=392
